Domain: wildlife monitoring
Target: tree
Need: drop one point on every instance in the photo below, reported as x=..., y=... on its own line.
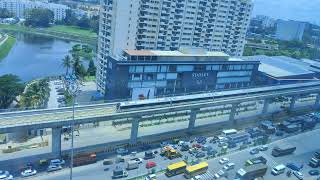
x=78, y=68
x=39, y=17
x=10, y=88
x=70, y=18
x=5, y=13
x=91, y=69
x=84, y=23
x=67, y=63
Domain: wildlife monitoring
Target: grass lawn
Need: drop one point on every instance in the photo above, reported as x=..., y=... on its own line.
x=73, y=30
x=6, y=47
x=89, y=78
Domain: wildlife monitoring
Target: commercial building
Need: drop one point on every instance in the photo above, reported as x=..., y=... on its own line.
x=149, y=73
x=290, y=30
x=19, y=7
x=216, y=25
x=284, y=70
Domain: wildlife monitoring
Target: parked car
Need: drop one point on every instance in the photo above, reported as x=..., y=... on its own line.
x=139, y=160
x=197, y=146
x=212, y=152
x=57, y=162
x=207, y=148
x=229, y=166
x=295, y=166
x=52, y=168
x=224, y=161
x=150, y=165
x=263, y=148
x=198, y=177
x=5, y=175
x=219, y=174
x=151, y=177
x=298, y=174
x=28, y=172
x=201, y=140
x=279, y=133
x=314, y=172
x=254, y=151
x=122, y=151
x=200, y=155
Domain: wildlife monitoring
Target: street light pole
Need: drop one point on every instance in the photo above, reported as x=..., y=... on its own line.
x=72, y=87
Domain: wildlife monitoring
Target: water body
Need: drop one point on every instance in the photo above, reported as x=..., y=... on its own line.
x=35, y=56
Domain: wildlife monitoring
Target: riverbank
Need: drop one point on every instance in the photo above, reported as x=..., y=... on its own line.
x=62, y=32
x=5, y=46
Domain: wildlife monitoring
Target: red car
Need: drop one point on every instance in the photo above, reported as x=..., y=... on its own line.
x=197, y=146
x=151, y=165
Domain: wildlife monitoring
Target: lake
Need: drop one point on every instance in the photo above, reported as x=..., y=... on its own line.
x=35, y=56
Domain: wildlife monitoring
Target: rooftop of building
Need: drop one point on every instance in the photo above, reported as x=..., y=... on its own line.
x=180, y=53
x=281, y=66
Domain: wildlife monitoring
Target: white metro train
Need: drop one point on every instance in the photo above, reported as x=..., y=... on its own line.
x=211, y=96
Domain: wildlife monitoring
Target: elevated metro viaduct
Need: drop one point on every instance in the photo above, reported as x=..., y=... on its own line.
x=58, y=118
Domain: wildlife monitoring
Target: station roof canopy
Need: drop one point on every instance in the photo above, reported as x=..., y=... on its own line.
x=281, y=66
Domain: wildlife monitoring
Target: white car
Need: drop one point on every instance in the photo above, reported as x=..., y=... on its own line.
x=57, y=162
x=28, y=172
x=196, y=178
x=151, y=177
x=139, y=160
x=54, y=168
x=298, y=174
x=219, y=174
x=5, y=175
x=229, y=166
x=224, y=161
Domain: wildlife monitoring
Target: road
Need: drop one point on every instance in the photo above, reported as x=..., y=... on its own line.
x=305, y=143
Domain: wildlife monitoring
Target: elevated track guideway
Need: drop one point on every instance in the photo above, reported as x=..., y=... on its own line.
x=48, y=118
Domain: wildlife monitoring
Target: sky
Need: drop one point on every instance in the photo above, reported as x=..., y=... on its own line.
x=302, y=10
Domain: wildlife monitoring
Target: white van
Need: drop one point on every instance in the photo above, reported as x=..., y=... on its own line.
x=278, y=169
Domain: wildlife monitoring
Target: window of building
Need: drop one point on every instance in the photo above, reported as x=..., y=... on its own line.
x=199, y=68
x=161, y=76
x=149, y=77
x=171, y=75
x=184, y=68
x=163, y=68
x=150, y=69
x=136, y=77
x=139, y=69
x=172, y=68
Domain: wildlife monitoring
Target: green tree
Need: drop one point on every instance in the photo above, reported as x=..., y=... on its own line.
x=91, y=69
x=67, y=63
x=84, y=23
x=4, y=13
x=70, y=19
x=10, y=88
x=78, y=68
x=39, y=17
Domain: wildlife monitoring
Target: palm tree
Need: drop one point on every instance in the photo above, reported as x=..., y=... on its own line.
x=67, y=63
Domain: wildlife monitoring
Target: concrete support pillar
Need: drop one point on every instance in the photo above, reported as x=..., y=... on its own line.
x=316, y=104
x=265, y=106
x=56, y=141
x=134, y=130
x=292, y=103
x=192, y=119
x=233, y=113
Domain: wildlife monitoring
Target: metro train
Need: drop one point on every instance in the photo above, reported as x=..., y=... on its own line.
x=209, y=96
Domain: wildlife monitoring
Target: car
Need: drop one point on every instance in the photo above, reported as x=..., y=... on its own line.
x=298, y=174
x=164, y=143
x=122, y=151
x=224, y=161
x=220, y=144
x=279, y=133
x=28, y=172
x=197, y=146
x=207, y=148
x=57, y=162
x=279, y=169
x=180, y=143
x=200, y=155
x=229, y=166
x=212, y=152
x=150, y=164
x=196, y=178
x=263, y=148
x=219, y=174
x=5, y=175
x=295, y=166
x=151, y=177
x=254, y=151
x=52, y=168
x=201, y=140
x=314, y=172
x=139, y=160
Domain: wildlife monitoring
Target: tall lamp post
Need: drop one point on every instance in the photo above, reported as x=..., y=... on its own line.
x=73, y=87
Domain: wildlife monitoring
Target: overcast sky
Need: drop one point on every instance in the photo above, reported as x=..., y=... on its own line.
x=303, y=10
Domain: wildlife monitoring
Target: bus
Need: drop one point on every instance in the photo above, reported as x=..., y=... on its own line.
x=176, y=168
x=229, y=132
x=283, y=150
x=192, y=171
